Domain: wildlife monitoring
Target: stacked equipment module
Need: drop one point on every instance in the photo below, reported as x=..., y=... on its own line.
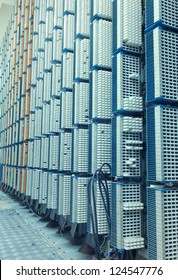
x=100, y=84
x=162, y=211
x=161, y=36
x=60, y=70
x=35, y=157
x=99, y=113
x=127, y=126
x=80, y=133
x=36, y=110
x=49, y=180
x=66, y=97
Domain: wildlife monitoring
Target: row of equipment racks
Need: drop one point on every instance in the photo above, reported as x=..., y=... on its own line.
x=89, y=120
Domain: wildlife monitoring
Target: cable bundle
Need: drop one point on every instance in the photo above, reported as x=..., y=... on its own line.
x=99, y=208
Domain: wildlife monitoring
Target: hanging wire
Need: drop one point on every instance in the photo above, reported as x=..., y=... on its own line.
x=99, y=179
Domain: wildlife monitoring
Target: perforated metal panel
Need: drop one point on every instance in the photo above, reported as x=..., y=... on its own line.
x=48, y=54
x=126, y=83
x=102, y=43
x=80, y=150
x=46, y=119
x=67, y=107
x=50, y=4
x=166, y=11
x=126, y=209
x=35, y=37
x=40, y=59
x=35, y=184
x=151, y=224
x=47, y=87
x=49, y=21
x=55, y=109
x=42, y=6
x=82, y=55
x=34, y=72
x=129, y=144
x=161, y=58
x=83, y=17
x=102, y=8
x=33, y=99
x=26, y=129
x=56, y=80
x=64, y=195
x=101, y=145
x=13, y=156
x=20, y=155
x=37, y=153
x=38, y=120
x=52, y=197
x=31, y=126
x=29, y=182
x=161, y=203
x=166, y=228
x=79, y=200
x=67, y=73
x=69, y=6
x=65, y=151
x=39, y=94
x=24, y=182
x=25, y=154
x=44, y=152
x=43, y=187
x=54, y=152
x=162, y=147
x=58, y=12
x=30, y=154
x=57, y=45
x=127, y=25
x=81, y=110
x=36, y=17
x=21, y=132
x=101, y=94
x=68, y=32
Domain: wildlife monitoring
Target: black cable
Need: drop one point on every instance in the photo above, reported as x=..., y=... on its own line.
x=99, y=178
x=105, y=203
x=102, y=180
x=96, y=221
x=90, y=187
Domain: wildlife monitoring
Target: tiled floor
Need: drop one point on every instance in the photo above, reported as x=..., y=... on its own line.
x=24, y=237
x=18, y=241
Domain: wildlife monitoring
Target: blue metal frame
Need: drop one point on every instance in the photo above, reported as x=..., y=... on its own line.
x=150, y=23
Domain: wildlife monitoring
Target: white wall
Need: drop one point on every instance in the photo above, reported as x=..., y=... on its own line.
x=5, y=15
x=8, y=2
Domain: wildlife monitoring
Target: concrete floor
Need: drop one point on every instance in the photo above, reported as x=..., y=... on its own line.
x=24, y=237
